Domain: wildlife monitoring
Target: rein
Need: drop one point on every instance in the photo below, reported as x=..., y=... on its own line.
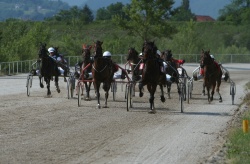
x=97, y=70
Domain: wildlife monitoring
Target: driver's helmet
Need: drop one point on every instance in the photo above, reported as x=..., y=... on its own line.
x=212, y=56
x=141, y=54
x=51, y=49
x=106, y=54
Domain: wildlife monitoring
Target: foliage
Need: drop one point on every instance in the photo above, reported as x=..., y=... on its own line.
x=183, y=13
x=106, y=13
x=237, y=12
x=147, y=19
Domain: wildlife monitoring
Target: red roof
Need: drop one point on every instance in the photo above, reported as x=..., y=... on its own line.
x=203, y=18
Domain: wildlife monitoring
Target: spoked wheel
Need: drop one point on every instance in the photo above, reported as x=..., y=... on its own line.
x=70, y=87
x=129, y=94
x=114, y=89
x=181, y=96
x=232, y=92
x=79, y=86
x=29, y=84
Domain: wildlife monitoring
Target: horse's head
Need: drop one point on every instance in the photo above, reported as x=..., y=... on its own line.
x=86, y=51
x=205, y=58
x=132, y=54
x=149, y=49
x=167, y=55
x=98, y=48
x=42, y=50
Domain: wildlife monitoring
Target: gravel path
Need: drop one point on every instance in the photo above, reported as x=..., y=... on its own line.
x=43, y=130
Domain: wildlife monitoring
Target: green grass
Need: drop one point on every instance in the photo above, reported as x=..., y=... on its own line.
x=238, y=151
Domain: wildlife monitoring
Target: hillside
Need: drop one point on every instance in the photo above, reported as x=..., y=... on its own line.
x=30, y=9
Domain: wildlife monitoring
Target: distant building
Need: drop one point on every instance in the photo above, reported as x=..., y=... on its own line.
x=204, y=18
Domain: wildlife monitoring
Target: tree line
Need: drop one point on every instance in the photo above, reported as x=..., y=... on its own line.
x=121, y=26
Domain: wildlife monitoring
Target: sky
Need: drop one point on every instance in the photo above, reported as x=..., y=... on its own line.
x=198, y=7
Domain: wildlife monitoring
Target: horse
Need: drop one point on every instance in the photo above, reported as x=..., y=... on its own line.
x=48, y=69
x=171, y=70
x=63, y=63
x=151, y=73
x=134, y=62
x=212, y=75
x=102, y=72
x=98, y=49
x=86, y=54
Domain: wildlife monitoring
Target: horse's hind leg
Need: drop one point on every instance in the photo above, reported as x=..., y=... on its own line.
x=218, y=90
x=97, y=87
x=48, y=87
x=140, y=89
x=56, y=84
x=41, y=84
x=162, y=94
x=203, y=90
x=87, y=91
x=169, y=89
x=152, y=90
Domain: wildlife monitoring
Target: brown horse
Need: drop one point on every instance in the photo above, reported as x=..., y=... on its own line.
x=212, y=75
x=151, y=73
x=86, y=54
x=103, y=72
x=134, y=62
x=48, y=69
x=170, y=70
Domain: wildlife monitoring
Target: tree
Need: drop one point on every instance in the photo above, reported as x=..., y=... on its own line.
x=183, y=13
x=146, y=19
x=110, y=11
x=86, y=15
x=237, y=12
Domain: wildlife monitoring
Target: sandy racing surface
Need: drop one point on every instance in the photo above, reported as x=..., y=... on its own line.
x=43, y=130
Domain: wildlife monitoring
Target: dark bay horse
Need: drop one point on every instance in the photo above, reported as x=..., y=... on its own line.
x=134, y=62
x=87, y=60
x=48, y=69
x=170, y=70
x=212, y=75
x=151, y=73
x=103, y=72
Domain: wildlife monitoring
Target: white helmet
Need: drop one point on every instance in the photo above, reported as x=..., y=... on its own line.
x=212, y=56
x=140, y=54
x=51, y=49
x=158, y=52
x=106, y=53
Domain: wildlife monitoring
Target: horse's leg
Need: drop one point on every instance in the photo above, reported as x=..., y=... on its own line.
x=97, y=87
x=57, y=84
x=218, y=89
x=47, y=80
x=140, y=89
x=152, y=89
x=41, y=84
x=87, y=98
x=162, y=94
x=169, y=88
x=208, y=93
x=203, y=90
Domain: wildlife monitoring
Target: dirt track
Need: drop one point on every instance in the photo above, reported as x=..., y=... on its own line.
x=43, y=130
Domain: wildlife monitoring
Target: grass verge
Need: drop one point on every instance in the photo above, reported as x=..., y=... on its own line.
x=238, y=145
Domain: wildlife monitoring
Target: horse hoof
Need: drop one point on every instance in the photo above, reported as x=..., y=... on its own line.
x=42, y=86
x=152, y=111
x=163, y=99
x=98, y=106
x=141, y=94
x=220, y=100
x=105, y=106
x=58, y=90
x=87, y=99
